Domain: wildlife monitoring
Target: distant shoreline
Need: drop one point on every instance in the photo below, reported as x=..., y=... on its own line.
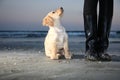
x=37, y=34
x=47, y=30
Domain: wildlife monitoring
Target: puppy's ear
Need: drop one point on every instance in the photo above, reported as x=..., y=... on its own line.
x=48, y=21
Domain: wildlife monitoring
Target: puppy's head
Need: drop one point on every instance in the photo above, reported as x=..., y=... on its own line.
x=52, y=16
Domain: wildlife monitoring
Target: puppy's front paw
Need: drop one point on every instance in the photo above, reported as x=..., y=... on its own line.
x=68, y=56
x=55, y=57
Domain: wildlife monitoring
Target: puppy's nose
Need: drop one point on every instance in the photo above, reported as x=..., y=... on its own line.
x=61, y=7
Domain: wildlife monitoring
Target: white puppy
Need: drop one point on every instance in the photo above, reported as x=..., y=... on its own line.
x=56, y=41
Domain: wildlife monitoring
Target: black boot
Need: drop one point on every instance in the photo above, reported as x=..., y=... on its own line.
x=90, y=26
x=104, y=26
x=103, y=41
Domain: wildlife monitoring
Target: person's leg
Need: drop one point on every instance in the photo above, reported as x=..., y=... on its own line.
x=90, y=27
x=104, y=24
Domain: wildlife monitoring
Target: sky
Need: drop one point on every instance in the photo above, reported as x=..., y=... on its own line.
x=27, y=15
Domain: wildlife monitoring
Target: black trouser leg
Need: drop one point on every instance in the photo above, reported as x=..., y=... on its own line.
x=90, y=24
x=104, y=23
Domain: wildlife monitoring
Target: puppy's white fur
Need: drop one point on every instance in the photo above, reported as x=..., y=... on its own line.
x=56, y=41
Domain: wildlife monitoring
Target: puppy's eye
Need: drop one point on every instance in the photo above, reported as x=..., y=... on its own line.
x=53, y=12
